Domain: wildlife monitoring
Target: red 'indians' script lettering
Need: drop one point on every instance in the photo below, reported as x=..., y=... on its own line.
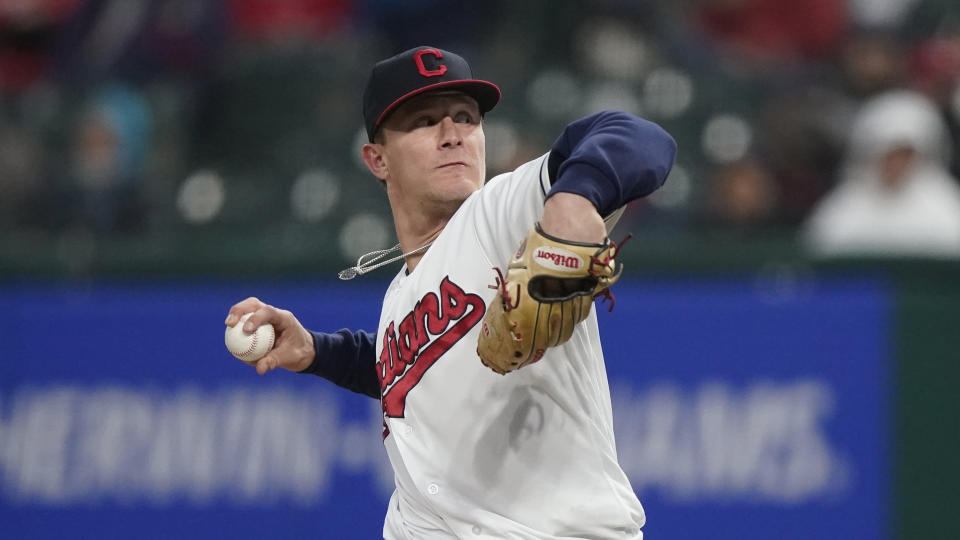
x=421, y=338
x=559, y=260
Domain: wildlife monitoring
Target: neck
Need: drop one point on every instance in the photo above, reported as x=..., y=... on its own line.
x=416, y=231
x=419, y=220
x=412, y=241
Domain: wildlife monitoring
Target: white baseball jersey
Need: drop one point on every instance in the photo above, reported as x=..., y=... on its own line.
x=528, y=455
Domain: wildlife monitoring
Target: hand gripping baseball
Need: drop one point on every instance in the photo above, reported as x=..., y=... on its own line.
x=293, y=347
x=549, y=287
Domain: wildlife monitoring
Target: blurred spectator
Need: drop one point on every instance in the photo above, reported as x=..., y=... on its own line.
x=141, y=40
x=880, y=13
x=108, y=151
x=288, y=19
x=935, y=70
x=21, y=176
x=801, y=136
x=767, y=32
x=743, y=196
x=895, y=197
x=872, y=62
x=400, y=24
x=28, y=31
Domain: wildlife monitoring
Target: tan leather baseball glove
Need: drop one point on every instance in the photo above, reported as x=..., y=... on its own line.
x=549, y=287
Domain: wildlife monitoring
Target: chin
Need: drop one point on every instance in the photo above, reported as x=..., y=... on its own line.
x=461, y=184
x=455, y=198
x=451, y=199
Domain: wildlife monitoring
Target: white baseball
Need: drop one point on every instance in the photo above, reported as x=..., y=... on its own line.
x=249, y=347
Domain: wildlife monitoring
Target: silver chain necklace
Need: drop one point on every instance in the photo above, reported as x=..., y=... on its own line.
x=366, y=262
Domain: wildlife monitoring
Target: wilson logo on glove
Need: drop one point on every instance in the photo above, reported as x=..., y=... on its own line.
x=557, y=259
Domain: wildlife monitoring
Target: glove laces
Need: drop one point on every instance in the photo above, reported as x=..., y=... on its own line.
x=500, y=284
x=605, y=294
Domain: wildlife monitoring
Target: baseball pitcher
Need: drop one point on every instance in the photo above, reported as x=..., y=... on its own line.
x=487, y=359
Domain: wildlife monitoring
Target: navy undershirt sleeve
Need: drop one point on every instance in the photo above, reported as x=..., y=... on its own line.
x=611, y=158
x=347, y=359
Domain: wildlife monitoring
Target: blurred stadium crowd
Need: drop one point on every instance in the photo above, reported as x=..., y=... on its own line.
x=155, y=120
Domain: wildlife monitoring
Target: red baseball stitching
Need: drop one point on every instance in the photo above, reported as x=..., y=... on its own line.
x=253, y=344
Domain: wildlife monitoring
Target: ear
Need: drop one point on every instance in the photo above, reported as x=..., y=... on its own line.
x=373, y=158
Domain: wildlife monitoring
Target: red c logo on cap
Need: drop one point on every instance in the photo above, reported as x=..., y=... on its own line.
x=418, y=58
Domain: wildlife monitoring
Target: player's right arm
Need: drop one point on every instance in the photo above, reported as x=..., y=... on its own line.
x=345, y=358
x=348, y=359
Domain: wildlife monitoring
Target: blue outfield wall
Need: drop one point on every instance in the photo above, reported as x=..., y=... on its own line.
x=743, y=410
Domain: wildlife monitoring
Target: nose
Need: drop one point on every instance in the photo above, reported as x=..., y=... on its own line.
x=449, y=133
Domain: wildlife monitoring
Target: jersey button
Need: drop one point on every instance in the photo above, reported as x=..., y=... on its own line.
x=433, y=489
x=477, y=529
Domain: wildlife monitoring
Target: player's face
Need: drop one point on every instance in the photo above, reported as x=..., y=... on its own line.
x=434, y=149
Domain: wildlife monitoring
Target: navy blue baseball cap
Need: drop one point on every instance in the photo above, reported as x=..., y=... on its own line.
x=413, y=72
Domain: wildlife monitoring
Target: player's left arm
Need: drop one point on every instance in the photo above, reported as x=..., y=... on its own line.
x=599, y=164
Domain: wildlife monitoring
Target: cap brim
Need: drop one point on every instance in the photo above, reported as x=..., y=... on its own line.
x=486, y=93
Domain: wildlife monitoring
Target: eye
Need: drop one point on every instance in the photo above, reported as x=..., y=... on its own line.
x=424, y=121
x=464, y=117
